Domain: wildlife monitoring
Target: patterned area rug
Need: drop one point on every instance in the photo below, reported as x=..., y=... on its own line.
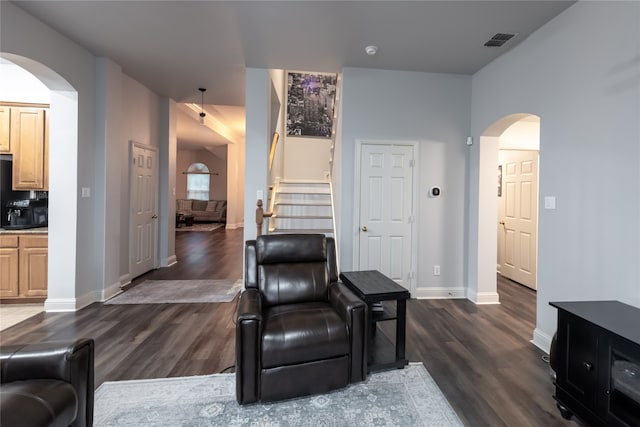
x=199, y=226
x=179, y=291
x=407, y=397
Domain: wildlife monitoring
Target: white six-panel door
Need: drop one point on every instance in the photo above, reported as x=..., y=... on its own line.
x=144, y=171
x=518, y=224
x=386, y=209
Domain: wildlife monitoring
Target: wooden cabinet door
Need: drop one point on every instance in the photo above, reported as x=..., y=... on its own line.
x=5, y=122
x=581, y=371
x=28, y=146
x=33, y=266
x=9, y=266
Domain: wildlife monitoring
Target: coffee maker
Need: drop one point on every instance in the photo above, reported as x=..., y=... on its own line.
x=23, y=214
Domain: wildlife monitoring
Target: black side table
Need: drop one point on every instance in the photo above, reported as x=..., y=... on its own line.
x=374, y=287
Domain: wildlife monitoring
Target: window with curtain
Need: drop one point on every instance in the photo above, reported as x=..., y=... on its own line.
x=198, y=181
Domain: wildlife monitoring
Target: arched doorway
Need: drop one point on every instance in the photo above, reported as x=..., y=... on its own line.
x=63, y=172
x=484, y=213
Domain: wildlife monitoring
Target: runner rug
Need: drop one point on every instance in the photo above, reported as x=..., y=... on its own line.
x=179, y=291
x=199, y=227
x=401, y=397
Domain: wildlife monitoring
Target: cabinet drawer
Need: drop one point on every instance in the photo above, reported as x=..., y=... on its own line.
x=8, y=241
x=34, y=241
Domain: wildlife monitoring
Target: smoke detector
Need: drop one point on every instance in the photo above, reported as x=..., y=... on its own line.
x=371, y=50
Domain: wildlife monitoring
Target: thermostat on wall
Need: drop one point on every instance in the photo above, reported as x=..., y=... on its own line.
x=434, y=191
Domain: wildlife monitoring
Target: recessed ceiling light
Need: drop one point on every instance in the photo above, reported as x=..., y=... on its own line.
x=371, y=50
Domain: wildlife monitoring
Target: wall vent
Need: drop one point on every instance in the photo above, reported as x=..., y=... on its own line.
x=499, y=39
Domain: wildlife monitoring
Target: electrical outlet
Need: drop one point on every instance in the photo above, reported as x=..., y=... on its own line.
x=436, y=270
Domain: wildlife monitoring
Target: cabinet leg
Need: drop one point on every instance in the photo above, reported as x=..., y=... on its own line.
x=566, y=414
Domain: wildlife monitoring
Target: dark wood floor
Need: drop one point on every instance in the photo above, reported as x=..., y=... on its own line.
x=480, y=356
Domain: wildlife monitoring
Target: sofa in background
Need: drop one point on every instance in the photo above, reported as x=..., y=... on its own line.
x=47, y=384
x=203, y=210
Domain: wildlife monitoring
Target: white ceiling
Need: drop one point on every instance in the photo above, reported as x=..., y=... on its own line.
x=174, y=47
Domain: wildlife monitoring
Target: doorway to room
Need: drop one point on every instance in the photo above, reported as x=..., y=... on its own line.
x=514, y=143
x=62, y=204
x=518, y=201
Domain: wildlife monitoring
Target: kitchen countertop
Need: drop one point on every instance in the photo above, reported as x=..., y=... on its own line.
x=39, y=230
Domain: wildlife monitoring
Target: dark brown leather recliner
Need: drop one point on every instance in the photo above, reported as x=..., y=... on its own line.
x=47, y=384
x=299, y=331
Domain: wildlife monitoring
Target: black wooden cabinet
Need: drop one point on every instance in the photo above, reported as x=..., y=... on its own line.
x=598, y=362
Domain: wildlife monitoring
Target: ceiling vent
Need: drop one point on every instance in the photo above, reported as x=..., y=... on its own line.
x=499, y=39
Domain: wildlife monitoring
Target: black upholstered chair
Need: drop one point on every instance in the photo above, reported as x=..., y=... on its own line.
x=47, y=384
x=299, y=331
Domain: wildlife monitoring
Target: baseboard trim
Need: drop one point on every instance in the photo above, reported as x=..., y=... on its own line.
x=173, y=259
x=541, y=340
x=483, y=298
x=111, y=291
x=125, y=279
x=439, y=293
x=234, y=226
x=60, y=305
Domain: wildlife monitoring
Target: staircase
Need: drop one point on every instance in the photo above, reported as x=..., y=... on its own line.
x=302, y=207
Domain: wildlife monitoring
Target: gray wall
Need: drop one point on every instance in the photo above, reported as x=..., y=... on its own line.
x=581, y=74
x=433, y=109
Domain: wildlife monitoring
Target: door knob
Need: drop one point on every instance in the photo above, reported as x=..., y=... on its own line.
x=364, y=228
x=502, y=222
x=154, y=217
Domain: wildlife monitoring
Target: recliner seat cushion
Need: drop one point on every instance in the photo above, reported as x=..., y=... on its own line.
x=38, y=403
x=300, y=333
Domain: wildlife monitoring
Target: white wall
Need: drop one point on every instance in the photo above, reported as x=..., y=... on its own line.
x=69, y=71
x=435, y=110
x=306, y=158
x=19, y=85
x=257, y=145
x=95, y=111
x=582, y=75
x=522, y=135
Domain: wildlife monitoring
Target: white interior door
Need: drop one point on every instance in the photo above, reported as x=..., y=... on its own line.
x=518, y=224
x=386, y=209
x=144, y=218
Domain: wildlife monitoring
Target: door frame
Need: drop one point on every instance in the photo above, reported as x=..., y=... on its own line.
x=133, y=144
x=414, y=203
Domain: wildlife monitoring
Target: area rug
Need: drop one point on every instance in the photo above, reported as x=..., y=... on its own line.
x=179, y=291
x=199, y=227
x=406, y=397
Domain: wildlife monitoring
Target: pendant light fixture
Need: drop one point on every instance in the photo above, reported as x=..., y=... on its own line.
x=202, y=113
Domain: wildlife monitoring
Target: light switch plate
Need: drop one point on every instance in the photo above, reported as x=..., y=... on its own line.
x=86, y=192
x=549, y=202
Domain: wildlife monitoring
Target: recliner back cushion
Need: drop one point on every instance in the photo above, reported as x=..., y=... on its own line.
x=292, y=268
x=289, y=283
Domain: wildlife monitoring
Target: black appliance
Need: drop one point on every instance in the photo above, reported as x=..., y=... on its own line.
x=20, y=209
x=22, y=214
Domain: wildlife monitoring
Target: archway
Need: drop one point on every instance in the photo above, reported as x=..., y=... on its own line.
x=487, y=208
x=63, y=172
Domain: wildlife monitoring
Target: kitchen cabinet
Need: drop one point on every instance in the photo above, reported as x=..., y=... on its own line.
x=24, y=266
x=29, y=147
x=5, y=122
x=8, y=266
x=598, y=357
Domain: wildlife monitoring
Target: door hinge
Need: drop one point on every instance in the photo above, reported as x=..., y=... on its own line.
x=412, y=163
x=411, y=219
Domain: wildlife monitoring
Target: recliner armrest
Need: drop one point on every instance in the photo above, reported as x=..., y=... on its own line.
x=354, y=312
x=250, y=305
x=248, y=332
x=72, y=362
